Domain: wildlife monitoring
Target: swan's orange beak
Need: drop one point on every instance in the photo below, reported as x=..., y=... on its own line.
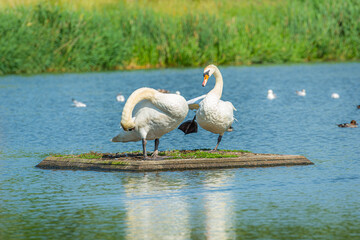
x=206, y=78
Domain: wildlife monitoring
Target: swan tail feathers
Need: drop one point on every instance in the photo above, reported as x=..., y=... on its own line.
x=233, y=107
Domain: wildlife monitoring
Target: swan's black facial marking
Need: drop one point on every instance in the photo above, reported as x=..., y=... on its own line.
x=206, y=73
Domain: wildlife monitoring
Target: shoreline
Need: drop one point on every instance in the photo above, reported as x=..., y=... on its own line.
x=154, y=68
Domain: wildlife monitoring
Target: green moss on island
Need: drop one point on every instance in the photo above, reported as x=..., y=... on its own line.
x=173, y=160
x=201, y=153
x=173, y=154
x=90, y=155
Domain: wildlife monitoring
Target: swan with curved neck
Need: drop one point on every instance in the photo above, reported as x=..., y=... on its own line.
x=148, y=115
x=214, y=115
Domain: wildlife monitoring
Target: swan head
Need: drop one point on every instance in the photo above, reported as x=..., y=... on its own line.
x=208, y=71
x=128, y=126
x=270, y=91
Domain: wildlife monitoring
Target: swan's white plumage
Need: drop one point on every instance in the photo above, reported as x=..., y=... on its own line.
x=193, y=103
x=215, y=115
x=194, y=100
x=156, y=117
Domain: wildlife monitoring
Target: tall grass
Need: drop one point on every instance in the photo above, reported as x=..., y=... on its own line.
x=61, y=36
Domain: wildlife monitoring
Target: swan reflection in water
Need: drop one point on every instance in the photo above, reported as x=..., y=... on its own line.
x=161, y=204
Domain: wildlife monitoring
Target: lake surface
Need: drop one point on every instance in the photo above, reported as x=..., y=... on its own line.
x=307, y=202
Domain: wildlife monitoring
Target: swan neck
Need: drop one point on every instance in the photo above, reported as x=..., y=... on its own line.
x=218, y=83
x=137, y=96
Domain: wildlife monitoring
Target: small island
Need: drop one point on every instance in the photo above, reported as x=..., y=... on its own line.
x=175, y=160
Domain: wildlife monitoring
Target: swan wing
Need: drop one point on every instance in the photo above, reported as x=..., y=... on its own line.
x=194, y=103
x=194, y=100
x=157, y=119
x=227, y=110
x=229, y=104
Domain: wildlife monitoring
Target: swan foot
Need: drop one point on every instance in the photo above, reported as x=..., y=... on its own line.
x=155, y=154
x=219, y=140
x=157, y=157
x=189, y=126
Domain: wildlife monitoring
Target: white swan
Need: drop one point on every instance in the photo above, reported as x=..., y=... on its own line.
x=78, y=104
x=214, y=115
x=271, y=95
x=149, y=114
x=301, y=93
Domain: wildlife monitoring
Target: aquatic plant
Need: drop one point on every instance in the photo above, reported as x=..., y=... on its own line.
x=60, y=36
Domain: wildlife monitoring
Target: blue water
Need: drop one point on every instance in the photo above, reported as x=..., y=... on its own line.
x=304, y=202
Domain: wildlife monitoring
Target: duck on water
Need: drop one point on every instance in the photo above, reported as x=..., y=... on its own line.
x=352, y=124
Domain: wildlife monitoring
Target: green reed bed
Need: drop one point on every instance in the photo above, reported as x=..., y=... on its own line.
x=47, y=37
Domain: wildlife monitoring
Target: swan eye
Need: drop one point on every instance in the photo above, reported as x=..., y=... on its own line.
x=207, y=73
x=130, y=129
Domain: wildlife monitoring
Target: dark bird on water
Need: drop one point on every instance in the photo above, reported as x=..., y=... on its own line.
x=352, y=124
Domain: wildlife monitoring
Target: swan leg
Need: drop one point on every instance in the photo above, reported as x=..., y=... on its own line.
x=155, y=153
x=218, y=142
x=144, y=148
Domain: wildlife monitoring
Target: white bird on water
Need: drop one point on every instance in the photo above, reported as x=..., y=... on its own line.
x=149, y=114
x=78, y=104
x=120, y=98
x=213, y=114
x=335, y=95
x=271, y=95
x=301, y=93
